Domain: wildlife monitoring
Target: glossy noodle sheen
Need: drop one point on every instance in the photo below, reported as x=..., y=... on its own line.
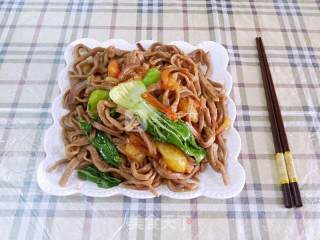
x=194, y=98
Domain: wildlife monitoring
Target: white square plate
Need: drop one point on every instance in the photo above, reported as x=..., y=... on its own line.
x=211, y=184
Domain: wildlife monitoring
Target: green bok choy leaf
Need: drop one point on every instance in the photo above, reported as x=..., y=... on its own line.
x=162, y=129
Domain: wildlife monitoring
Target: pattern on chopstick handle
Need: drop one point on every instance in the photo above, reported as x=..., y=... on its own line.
x=290, y=167
x=282, y=169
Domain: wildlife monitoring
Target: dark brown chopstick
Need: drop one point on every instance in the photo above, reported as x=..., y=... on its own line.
x=281, y=166
x=293, y=182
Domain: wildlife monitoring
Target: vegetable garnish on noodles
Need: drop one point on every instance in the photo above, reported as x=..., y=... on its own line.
x=143, y=118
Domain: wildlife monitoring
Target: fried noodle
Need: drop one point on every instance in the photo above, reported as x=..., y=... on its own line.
x=194, y=98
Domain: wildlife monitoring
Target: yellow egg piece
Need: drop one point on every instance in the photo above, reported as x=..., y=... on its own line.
x=173, y=157
x=134, y=153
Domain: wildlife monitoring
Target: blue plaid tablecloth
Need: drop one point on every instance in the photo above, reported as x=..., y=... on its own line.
x=33, y=35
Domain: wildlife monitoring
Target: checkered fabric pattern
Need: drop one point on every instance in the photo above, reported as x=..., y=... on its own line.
x=33, y=35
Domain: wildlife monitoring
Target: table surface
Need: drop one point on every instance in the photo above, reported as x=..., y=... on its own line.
x=33, y=36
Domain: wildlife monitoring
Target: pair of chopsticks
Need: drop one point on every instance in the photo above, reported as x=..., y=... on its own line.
x=287, y=174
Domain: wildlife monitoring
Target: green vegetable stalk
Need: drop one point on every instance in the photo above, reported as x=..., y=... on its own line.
x=95, y=97
x=103, y=180
x=162, y=129
x=103, y=144
x=152, y=76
